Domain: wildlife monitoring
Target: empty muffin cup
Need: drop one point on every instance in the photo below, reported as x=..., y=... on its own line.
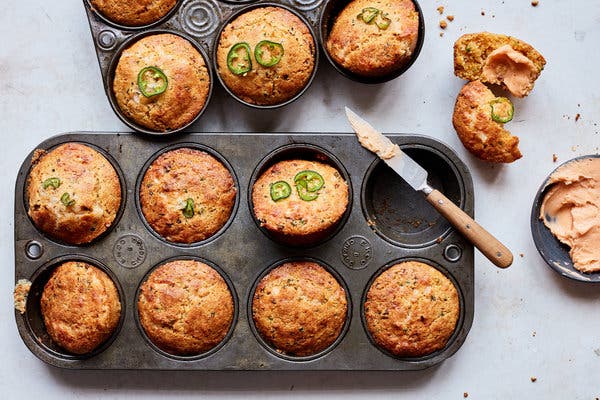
x=299, y=309
x=75, y=307
x=265, y=55
x=187, y=194
x=372, y=41
x=159, y=82
x=300, y=195
x=401, y=215
x=412, y=309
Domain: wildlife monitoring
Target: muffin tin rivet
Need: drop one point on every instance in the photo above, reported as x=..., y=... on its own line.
x=200, y=17
x=34, y=249
x=452, y=253
x=107, y=40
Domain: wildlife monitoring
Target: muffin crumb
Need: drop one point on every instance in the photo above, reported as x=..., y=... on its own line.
x=443, y=24
x=577, y=116
x=521, y=255
x=466, y=394
x=450, y=18
x=535, y=3
x=20, y=294
x=533, y=379
x=440, y=9
x=554, y=157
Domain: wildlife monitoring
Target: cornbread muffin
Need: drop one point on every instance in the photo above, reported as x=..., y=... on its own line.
x=299, y=308
x=266, y=56
x=483, y=136
x=498, y=59
x=73, y=193
x=80, y=306
x=293, y=219
x=411, y=309
x=133, y=13
x=187, y=195
x=177, y=82
x=185, y=307
x=373, y=38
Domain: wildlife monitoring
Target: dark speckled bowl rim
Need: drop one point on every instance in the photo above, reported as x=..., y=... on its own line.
x=111, y=76
x=554, y=253
x=251, y=7
x=326, y=22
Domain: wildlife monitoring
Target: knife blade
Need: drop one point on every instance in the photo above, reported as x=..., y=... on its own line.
x=416, y=177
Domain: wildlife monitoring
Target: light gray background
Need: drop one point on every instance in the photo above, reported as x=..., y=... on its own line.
x=529, y=322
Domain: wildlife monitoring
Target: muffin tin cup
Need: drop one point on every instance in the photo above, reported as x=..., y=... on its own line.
x=330, y=11
x=302, y=151
x=555, y=253
x=209, y=351
x=36, y=330
x=242, y=253
x=201, y=21
x=111, y=74
x=451, y=347
x=249, y=8
x=266, y=344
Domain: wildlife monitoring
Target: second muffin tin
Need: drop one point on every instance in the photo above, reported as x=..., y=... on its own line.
x=386, y=223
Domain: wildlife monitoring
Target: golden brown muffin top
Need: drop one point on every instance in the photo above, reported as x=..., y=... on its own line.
x=371, y=50
x=73, y=193
x=80, y=306
x=411, y=309
x=185, y=307
x=188, y=82
x=472, y=51
x=278, y=83
x=479, y=133
x=299, y=308
x=187, y=195
x=293, y=215
x=133, y=13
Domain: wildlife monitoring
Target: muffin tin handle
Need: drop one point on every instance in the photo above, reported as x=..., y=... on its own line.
x=491, y=247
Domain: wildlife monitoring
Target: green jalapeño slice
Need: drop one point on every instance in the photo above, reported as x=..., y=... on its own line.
x=66, y=199
x=238, y=58
x=54, y=182
x=502, y=110
x=308, y=183
x=152, y=81
x=268, y=53
x=368, y=14
x=188, y=210
x=280, y=190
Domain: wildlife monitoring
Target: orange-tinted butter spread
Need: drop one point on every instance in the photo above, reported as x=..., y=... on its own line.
x=571, y=210
x=514, y=69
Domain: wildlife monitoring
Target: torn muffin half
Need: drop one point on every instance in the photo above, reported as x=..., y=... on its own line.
x=479, y=118
x=498, y=59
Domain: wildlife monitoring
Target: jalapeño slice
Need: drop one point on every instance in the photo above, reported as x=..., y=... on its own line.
x=152, y=81
x=280, y=190
x=502, y=109
x=238, y=58
x=188, y=210
x=273, y=49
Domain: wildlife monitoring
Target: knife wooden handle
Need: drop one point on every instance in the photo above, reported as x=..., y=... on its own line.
x=491, y=247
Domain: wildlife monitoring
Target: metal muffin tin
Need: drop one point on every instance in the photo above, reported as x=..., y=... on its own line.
x=555, y=253
x=386, y=223
x=201, y=21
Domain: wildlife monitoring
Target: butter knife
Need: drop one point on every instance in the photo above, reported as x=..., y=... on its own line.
x=416, y=177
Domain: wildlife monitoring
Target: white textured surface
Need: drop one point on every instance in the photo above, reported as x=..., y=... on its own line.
x=529, y=322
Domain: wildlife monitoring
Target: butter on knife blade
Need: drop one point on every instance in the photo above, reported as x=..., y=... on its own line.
x=378, y=144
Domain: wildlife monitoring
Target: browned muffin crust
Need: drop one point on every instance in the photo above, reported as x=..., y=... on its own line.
x=299, y=308
x=471, y=52
x=281, y=82
x=179, y=175
x=479, y=133
x=185, y=307
x=296, y=219
x=411, y=309
x=80, y=306
x=367, y=50
x=133, y=13
x=92, y=186
x=188, y=82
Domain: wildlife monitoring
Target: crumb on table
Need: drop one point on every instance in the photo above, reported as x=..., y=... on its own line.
x=450, y=18
x=440, y=9
x=554, y=157
x=577, y=116
x=535, y=3
x=465, y=395
x=443, y=24
x=533, y=379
